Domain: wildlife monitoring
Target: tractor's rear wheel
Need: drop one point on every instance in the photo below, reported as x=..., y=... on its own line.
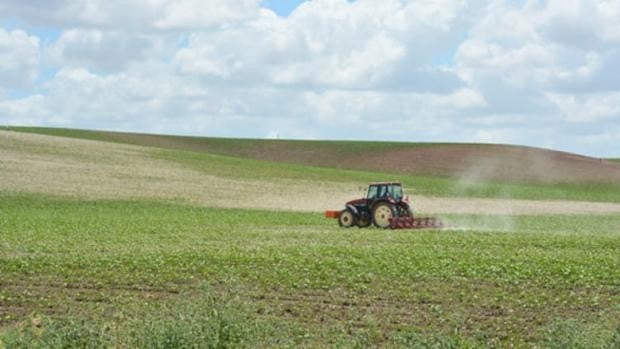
x=346, y=219
x=381, y=214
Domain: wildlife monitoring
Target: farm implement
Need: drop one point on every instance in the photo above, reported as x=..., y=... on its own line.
x=385, y=207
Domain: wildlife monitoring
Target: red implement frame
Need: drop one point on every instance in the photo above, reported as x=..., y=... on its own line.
x=415, y=223
x=332, y=214
x=403, y=222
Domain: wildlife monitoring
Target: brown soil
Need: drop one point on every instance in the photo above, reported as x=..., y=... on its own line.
x=497, y=162
x=468, y=162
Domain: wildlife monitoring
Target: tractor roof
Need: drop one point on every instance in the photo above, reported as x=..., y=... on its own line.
x=384, y=183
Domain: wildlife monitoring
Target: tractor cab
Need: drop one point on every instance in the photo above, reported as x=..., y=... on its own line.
x=385, y=190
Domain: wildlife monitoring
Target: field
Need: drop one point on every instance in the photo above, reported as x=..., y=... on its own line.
x=294, y=279
x=115, y=245
x=472, y=162
x=109, y=170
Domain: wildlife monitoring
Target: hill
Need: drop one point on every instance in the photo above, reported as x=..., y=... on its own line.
x=468, y=162
x=83, y=168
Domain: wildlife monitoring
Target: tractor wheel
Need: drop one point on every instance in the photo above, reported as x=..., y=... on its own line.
x=381, y=214
x=346, y=219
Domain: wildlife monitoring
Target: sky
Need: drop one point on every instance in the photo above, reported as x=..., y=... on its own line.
x=528, y=72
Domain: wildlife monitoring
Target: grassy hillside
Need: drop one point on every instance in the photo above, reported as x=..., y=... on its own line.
x=136, y=274
x=472, y=162
x=111, y=170
x=418, y=185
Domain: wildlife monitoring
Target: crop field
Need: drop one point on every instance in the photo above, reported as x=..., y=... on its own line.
x=108, y=244
x=108, y=272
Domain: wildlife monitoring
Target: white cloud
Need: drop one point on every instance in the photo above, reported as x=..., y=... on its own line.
x=496, y=135
x=461, y=99
x=337, y=107
x=25, y=111
x=106, y=51
x=134, y=15
x=332, y=44
x=435, y=70
x=189, y=14
x=544, y=44
x=602, y=138
x=588, y=108
x=19, y=58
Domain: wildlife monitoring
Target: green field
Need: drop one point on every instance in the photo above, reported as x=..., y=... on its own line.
x=143, y=274
x=104, y=244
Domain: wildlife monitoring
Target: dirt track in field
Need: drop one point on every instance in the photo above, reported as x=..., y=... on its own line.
x=99, y=170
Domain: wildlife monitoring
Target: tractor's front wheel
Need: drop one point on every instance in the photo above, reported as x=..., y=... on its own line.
x=381, y=214
x=346, y=219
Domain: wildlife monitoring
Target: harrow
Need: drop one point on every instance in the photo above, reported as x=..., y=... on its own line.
x=415, y=223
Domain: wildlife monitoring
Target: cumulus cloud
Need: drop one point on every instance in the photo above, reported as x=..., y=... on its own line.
x=534, y=72
x=134, y=15
x=19, y=58
x=589, y=107
x=551, y=45
x=333, y=44
x=548, y=64
x=191, y=14
x=106, y=51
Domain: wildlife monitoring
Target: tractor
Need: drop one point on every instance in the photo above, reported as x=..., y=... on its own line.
x=385, y=206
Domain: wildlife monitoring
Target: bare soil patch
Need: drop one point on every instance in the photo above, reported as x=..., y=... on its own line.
x=497, y=162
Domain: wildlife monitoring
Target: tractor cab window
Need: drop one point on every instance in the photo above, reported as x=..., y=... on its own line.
x=396, y=191
x=372, y=192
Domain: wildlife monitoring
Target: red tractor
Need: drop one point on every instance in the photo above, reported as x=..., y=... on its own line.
x=385, y=206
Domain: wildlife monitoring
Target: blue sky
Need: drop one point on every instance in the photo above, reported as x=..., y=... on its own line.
x=539, y=73
x=282, y=7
